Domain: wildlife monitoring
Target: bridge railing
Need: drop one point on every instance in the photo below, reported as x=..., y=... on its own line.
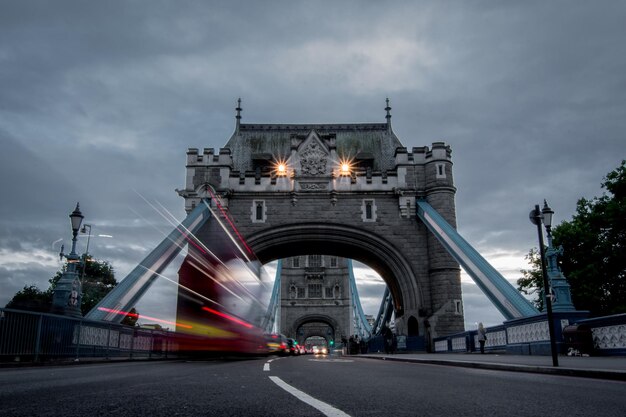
x=530, y=336
x=608, y=333
x=402, y=344
x=31, y=336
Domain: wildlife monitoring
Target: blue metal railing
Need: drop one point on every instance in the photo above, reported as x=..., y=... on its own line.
x=530, y=336
x=31, y=336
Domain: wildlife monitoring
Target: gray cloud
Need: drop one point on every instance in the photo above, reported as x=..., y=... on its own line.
x=478, y=308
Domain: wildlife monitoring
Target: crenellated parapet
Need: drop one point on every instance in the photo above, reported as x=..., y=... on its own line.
x=313, y=164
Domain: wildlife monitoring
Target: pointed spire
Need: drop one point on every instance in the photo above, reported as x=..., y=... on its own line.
x=238, y=117
x=388, y=116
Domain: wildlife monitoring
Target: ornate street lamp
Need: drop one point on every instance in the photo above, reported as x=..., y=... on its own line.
x=537, y=217
x=67, y=296
x=561, y=296
x=76, y=218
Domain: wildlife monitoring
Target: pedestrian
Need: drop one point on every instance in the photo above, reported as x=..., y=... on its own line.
x=482, y=337
x=388, y=339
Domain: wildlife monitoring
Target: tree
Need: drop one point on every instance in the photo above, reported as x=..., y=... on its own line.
x=97, y=278
x=594, y=251
x=31, y=298
x=594, y=245
x=531, y=282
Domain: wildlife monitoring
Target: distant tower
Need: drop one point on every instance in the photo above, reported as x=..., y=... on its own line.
x=315, y=297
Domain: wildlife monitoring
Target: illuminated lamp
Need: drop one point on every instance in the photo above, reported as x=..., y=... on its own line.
x=345, y=168
x=281, y=170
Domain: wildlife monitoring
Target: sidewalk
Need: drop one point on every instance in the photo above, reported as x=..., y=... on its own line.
x=603, y=367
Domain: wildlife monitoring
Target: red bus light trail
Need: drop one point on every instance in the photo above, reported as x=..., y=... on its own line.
x=127, y=313
x=227, y=316
x=229, y=221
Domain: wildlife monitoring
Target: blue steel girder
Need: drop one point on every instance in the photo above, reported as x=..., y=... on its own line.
x=361, y=326
x=385, y=312
x=499, y=291
x=128, y=292
x=270, y=321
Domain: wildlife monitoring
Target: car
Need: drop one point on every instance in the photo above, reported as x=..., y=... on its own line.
x=320, y=350
x=275, y=343
x=301, y=350
x=278, y=344
x=293, y=346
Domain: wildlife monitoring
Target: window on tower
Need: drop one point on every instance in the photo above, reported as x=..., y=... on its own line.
x=315, y=290
x=315, y=261
x=329, y=292
x=259, y=211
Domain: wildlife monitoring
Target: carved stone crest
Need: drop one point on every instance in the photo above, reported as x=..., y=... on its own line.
x=313, y=160
x=313, y=186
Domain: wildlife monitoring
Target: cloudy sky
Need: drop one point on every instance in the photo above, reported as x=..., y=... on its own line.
x=99, y=101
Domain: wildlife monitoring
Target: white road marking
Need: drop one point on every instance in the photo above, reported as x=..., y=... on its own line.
x=326, y=409
x=266, y=365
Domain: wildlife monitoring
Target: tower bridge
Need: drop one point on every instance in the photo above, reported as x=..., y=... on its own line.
x=347, y=190
x=350, y=191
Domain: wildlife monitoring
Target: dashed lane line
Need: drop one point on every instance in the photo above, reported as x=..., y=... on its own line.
x=266, y=365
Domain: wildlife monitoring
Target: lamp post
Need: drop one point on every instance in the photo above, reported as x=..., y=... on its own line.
x=66, y=299
x=537, y=217
x=561, y=294
x=86, y=254
x=83, y=231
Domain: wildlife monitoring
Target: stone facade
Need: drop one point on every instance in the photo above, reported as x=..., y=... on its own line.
x=366, y=212
x=315, y=298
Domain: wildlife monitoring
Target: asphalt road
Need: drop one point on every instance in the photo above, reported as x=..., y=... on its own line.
x=336, y=386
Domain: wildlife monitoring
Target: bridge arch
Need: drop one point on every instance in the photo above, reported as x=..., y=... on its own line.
x=315, y=318
x=345, y=241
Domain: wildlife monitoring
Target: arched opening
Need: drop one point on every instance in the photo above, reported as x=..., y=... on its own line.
x=316, y=326
x=348, y=242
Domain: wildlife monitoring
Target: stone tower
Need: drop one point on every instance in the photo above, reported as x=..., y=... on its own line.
x=315, y=297
x=285, y=187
